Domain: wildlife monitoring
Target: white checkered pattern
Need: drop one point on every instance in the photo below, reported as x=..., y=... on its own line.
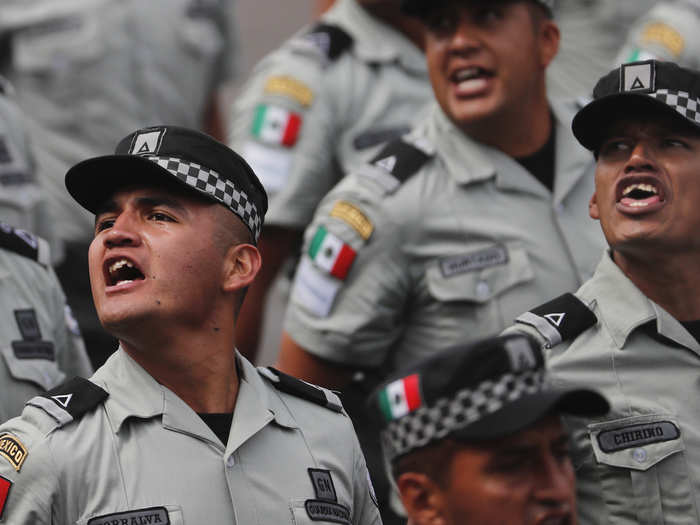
x=430, y=423
x=681, y=102
x=210, y=182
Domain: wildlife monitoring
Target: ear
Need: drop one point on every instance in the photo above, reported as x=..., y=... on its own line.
x=423, y=499
x=241, y=265
x=549, y=41
x=593, y=207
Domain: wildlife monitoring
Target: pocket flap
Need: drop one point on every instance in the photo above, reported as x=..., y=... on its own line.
x=637, y=442
x=481, y=274
x=42, y=372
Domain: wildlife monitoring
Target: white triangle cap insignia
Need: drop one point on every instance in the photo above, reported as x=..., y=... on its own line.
x=638, y=76
x=63, y=400
x=387, y=163
x=555, y=319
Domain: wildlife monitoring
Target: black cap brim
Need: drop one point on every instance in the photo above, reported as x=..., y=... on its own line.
x=524, y=412
x=93, y=181
x=592, y=122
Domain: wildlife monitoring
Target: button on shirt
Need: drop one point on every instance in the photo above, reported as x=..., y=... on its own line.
x=88, y=72
x=50, y=350
x=455, y=252
x=347, y=107
x=144, y=448
x=641, y=462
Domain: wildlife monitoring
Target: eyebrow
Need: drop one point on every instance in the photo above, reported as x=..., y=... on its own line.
x=111, y=206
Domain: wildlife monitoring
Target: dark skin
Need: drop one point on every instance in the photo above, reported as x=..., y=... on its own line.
x=654, y=240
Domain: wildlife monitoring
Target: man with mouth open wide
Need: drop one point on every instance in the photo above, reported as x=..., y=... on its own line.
x=633, y=330
x=473, y=435
x=177, y=427
x=452, y=228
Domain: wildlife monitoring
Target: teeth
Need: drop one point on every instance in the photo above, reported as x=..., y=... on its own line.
x=644, y=187
x=638, y=204
x=125, y=281
x=467, y=74
x=119, y=264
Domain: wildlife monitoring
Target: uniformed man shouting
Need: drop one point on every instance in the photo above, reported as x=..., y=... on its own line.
x=633, y=330
x=176, y=427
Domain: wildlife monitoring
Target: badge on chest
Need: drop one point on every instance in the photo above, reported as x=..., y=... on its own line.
x=325, y=506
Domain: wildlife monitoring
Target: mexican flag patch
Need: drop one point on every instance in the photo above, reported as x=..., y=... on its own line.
x=331, y=254
x=276, y=125
x=400, y=397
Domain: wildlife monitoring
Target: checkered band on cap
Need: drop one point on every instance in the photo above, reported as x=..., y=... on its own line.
x=681, y=101
x=430, y=423
x=210, y=182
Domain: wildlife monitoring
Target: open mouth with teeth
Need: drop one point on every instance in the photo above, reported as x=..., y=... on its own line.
x=470, y=77
x=122, y=271
x=640, y=194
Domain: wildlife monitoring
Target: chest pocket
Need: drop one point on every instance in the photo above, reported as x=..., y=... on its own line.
x=41, y=372
x=641, y=464
x=481, y=275
x=306, y=512
x=162, y=515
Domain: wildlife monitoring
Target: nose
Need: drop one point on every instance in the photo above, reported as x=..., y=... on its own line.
x=556, y=482
x=123, y=232
x=464, y=38
x=641, y=159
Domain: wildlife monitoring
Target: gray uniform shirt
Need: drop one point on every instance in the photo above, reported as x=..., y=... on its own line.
x=144, y=452
x=346, y=106
x=40, y=344
x=669, y=31
x=88, y=72
x=641, y=462
x=455, y=252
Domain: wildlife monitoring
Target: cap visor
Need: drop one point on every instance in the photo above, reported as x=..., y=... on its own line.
x=93, y=181
x=591, y=123
x=522, y=413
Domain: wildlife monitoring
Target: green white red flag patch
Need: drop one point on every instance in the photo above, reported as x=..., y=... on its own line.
x=5, y=485
x=331, y=254
x=276, y=125
x=400, y=397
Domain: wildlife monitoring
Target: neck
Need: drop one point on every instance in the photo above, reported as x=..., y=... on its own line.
x=670, y=279
x=519, y=132
x=199, y=366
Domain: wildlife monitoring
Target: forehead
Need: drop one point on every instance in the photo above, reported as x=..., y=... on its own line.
x=172, y=194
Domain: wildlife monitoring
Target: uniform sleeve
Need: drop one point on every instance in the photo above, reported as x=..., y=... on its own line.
x=353, y=280
x=667, y=32
x=28, y=478
x=365, y=506
x=72, y=356
x=285, y=124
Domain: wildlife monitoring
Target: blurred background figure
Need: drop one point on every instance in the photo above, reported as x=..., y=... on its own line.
x=473, y=435
x=86, y=72
x=22, y=203
x=40, y=343
x=668, y=32
x=593, y=31
x=321, y=103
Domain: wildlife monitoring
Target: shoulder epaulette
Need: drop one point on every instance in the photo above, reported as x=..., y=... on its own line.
x=298, y=388
x=71, y=400
x=25, y=244
x=400, y=159
x=561, y=319
x=330, y=39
